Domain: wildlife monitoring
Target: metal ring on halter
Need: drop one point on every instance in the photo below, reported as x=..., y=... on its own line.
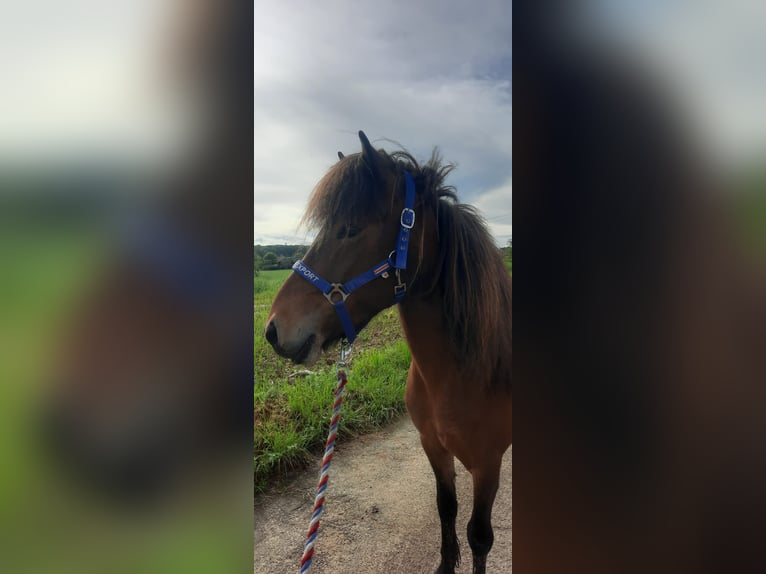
x=336, y=288
x=390, y=262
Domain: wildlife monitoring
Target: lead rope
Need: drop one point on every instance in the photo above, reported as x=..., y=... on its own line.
x=324, y=473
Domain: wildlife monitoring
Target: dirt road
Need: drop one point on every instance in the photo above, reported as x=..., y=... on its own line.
x=380, y=515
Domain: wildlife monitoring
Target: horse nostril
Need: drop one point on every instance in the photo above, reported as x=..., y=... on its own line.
x=271, y=333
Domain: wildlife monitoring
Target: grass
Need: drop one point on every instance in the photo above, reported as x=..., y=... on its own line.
x=45, y=271
x=292, y=409
x=507, y=253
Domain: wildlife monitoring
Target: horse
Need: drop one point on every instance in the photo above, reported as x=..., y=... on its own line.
x=639, y=327
x=454, y=299
x=151, y=372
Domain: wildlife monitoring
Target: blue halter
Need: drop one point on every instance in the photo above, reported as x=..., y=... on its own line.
x=337, y=293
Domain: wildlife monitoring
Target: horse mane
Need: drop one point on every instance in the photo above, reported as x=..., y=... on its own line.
x=468, y=272
x=347, y=192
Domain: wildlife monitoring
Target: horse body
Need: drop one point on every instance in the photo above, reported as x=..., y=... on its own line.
x=456, y=317
x=449, y=399
x=458, y=415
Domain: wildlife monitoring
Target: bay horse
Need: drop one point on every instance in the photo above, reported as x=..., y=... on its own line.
x=454, y=299
x=151, y=373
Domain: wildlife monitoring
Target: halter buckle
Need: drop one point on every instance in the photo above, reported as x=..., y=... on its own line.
x=336, y=288
x=407, y=219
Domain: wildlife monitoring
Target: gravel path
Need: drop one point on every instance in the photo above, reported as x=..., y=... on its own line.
x=380, y=515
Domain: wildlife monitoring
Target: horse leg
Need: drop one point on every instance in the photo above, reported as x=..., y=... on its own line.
x=443, y=465
x=480, y=535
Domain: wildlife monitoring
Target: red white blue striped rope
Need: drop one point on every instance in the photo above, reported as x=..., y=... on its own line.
x=324, y=474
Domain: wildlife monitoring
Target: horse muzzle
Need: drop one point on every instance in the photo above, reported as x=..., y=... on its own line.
x=304, y=352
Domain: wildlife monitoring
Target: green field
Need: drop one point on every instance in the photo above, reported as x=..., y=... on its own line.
x=45, y=270
x=507, y=253
x=291, y=413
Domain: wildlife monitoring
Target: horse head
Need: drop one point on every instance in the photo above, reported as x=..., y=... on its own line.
x=357, y=209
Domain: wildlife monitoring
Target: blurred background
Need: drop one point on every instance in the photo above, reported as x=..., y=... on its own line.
x=125, y=286
x=640, y=286
x=126, y=238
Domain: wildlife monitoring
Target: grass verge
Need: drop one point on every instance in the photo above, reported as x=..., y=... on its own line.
x=292, y=407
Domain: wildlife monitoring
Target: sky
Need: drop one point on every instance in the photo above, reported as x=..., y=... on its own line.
x=438, y=72
x=89, y=79
x=423, y=74
x=86, y=79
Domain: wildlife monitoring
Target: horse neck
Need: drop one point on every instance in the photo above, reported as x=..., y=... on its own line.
x=425, y=317
x=421, y=313
x=422, y=321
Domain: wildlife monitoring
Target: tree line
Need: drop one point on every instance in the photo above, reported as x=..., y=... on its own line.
x=507, y=253
x=269, y=257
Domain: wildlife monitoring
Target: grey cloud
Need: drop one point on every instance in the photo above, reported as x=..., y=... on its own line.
x=423, y=74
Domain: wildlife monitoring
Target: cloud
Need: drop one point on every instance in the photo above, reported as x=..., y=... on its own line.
x=496, y=206
x=423, y=74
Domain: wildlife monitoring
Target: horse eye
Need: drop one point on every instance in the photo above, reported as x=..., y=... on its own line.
x=347, y=232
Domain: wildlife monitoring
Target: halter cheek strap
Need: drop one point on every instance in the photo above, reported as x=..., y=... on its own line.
x=337, y=293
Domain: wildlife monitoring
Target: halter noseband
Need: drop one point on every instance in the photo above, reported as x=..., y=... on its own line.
x=337, y=293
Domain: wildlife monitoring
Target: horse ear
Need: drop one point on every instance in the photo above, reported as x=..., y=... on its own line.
x=369, y=155
x=340, y=155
